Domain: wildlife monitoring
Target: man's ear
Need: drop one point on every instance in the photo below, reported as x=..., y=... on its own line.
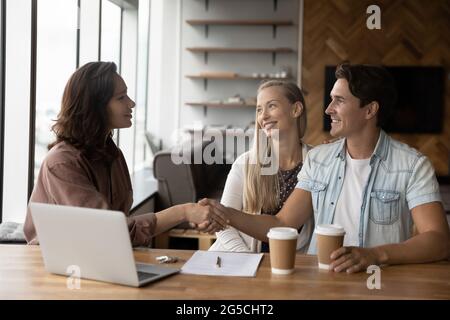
x=372, y=110
x=297, y=109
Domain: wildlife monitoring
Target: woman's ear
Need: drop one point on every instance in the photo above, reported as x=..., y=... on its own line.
x=297, y=109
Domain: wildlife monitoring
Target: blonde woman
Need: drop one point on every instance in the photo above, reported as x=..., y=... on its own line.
x=281, y=117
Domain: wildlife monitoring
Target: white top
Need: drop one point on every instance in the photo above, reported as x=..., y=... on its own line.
x=349, y=203
x=233, y=196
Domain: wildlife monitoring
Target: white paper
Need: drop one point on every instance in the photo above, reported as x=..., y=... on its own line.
x=231, y=264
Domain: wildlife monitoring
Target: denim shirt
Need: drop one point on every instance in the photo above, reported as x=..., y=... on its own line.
x=400, y=179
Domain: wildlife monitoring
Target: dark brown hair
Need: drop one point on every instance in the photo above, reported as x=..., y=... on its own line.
x=370, y=83
x=82, y=120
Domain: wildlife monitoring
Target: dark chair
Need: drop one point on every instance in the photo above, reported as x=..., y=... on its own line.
x=181, y=183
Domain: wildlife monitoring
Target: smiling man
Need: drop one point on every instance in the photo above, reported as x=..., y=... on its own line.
x=377, y=188
x=372, y=185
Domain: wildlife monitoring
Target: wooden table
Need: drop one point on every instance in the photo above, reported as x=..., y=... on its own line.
x=22, y=276
x=205, y=240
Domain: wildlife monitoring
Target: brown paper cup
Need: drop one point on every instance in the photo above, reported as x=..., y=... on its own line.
x=283, y=246
x=330, y=237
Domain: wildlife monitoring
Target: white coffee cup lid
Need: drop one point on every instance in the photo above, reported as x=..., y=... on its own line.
x=330, y=230
x=282, y=233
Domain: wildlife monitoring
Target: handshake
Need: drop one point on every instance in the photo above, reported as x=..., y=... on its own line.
x=207, y=215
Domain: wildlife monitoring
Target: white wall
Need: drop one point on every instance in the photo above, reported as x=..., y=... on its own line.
x=170, y=62
x=242, y=63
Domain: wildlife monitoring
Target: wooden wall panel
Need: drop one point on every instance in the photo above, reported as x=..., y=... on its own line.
x=412, y=33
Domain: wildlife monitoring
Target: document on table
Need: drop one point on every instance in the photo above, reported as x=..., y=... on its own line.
x=229, y=263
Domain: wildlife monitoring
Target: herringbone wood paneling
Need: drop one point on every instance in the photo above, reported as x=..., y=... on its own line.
x=412, y=33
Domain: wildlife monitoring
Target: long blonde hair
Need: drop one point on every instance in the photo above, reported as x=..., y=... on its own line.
x=261, y=192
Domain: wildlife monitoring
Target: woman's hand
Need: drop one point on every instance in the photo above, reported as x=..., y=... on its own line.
x=353, y=259
x=203, y=217
x=218, y=210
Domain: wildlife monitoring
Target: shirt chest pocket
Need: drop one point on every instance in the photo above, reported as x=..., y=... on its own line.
x=384, y=207
x=317, y=193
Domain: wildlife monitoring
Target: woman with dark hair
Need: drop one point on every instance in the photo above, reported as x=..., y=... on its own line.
x=85, y=168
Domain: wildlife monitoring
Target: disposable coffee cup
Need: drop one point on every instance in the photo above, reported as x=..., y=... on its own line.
x=283, y=246
x=330, y=237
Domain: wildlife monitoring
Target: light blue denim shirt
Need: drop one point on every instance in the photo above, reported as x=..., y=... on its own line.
x=400, y=179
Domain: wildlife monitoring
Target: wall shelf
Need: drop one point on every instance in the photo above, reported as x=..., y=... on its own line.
x=207, y=105
x=238, y=50
x=207, y=23
x=220, y=105
x=229, y=28
x=261, y=22
x=238, y=77
x=205, y=78
x=275, y=5
x=207, y=50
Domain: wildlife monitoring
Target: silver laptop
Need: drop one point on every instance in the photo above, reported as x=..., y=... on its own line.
x=94, y=242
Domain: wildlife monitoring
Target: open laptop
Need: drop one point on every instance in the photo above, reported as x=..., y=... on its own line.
x=95, y=242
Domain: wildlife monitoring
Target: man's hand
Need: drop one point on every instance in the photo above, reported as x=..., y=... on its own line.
x=353, y=259
x=205, y=218
x=216, y=210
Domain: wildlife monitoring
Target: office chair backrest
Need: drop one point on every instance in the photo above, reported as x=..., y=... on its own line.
x=175, y=182
x=183, y=183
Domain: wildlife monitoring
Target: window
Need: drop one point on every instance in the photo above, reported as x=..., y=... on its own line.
x=89, y=24
x=128, y=70
x=44, y=40
x=17, y=109
x=142, y=155
x=56, y=61
x=110, y=32
x=111, y=25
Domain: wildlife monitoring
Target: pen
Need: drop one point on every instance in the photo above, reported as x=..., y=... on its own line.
x=218, y=262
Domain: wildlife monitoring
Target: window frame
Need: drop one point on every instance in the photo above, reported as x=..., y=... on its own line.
x=32, y=115
x=2, y=96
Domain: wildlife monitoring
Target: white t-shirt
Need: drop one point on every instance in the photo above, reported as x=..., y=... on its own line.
x=348, y=207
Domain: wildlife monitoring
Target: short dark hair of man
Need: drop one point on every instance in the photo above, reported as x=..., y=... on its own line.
x=371, y=83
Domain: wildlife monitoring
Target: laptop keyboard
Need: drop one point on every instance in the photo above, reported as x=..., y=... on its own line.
x=145, y=275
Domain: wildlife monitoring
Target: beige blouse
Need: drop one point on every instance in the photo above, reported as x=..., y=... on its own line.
x=67, y=177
